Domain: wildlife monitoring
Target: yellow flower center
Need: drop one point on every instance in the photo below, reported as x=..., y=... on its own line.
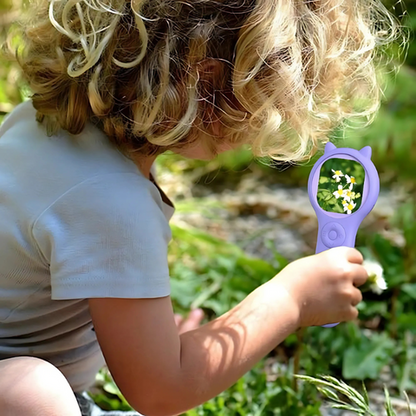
x=350, y=207
x=352, y=179
x=340, y=191
x=337, y=172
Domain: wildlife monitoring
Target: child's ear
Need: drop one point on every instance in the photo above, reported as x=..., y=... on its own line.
x=211, y=75
x=211, y=84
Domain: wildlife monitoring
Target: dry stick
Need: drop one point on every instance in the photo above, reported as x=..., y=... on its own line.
x=393, y=330
x=296, y=363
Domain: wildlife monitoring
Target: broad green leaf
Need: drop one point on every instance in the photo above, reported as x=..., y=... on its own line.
x=407, y=322
x=410, y=289
x=366, y=359
x=111, y=388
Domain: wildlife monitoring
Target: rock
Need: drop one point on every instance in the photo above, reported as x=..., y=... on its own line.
x=282, y=215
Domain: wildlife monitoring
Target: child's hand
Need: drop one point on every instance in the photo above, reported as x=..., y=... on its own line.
x=191, y=322
x=324, y=286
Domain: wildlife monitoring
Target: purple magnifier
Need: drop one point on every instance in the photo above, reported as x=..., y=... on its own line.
x=343, y=188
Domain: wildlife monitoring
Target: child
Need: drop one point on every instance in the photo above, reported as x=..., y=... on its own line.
x=83, y=225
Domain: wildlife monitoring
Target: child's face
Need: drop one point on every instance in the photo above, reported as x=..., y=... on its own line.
x=200, y=151
x=204, y=146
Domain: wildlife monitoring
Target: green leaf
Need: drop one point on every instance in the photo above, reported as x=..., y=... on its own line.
x=111, y=388
x=387, y=404
x=366, y=359
x=348, y=407
x=328, y=393
x=366, y=398
x=407, y=322
x=410, y=289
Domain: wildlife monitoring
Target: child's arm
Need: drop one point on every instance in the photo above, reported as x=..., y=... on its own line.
x=162, y=373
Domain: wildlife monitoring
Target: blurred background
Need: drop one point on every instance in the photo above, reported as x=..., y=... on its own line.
x=238, y=222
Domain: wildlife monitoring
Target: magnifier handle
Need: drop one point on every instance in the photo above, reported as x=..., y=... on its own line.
x=334, y=235
x=329, y=325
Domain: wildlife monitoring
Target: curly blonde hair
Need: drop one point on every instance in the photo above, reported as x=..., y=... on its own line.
x=289, y=70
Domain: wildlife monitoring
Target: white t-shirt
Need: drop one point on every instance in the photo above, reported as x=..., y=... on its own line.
x=78, y=220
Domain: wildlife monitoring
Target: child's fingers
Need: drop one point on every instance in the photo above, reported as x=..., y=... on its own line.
x=360, y=275
x=357, y=297
x=354, y=256
x=192, y=322
x=178, y=319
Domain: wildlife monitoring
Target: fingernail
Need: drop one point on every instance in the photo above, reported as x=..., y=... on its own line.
x=198, y=313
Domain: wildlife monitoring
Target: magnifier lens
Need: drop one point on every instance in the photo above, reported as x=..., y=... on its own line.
x=340, y=186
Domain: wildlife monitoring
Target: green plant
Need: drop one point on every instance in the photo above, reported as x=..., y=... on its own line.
x=342, y=396
x=255, y=394
x=340, y=186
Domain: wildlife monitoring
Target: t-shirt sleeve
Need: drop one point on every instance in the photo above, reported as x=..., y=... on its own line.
x=106, y=237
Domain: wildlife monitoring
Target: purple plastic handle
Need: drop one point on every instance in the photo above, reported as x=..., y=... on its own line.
x=335, y=229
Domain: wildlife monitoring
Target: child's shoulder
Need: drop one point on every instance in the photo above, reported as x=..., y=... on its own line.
x=27, y=150
x=90, y=150
x=45, y=168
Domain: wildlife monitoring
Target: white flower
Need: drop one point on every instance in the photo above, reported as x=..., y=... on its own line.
x=341, y=192
x=349, y=207
x=345, y=202
x=376, y=282
x=337, y=175
x=351, y=180
x=350, y=195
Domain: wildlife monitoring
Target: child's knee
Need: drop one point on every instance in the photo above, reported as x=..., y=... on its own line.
x=34, y=387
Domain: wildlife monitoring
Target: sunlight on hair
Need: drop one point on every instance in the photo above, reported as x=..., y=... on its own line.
x=289, y=72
